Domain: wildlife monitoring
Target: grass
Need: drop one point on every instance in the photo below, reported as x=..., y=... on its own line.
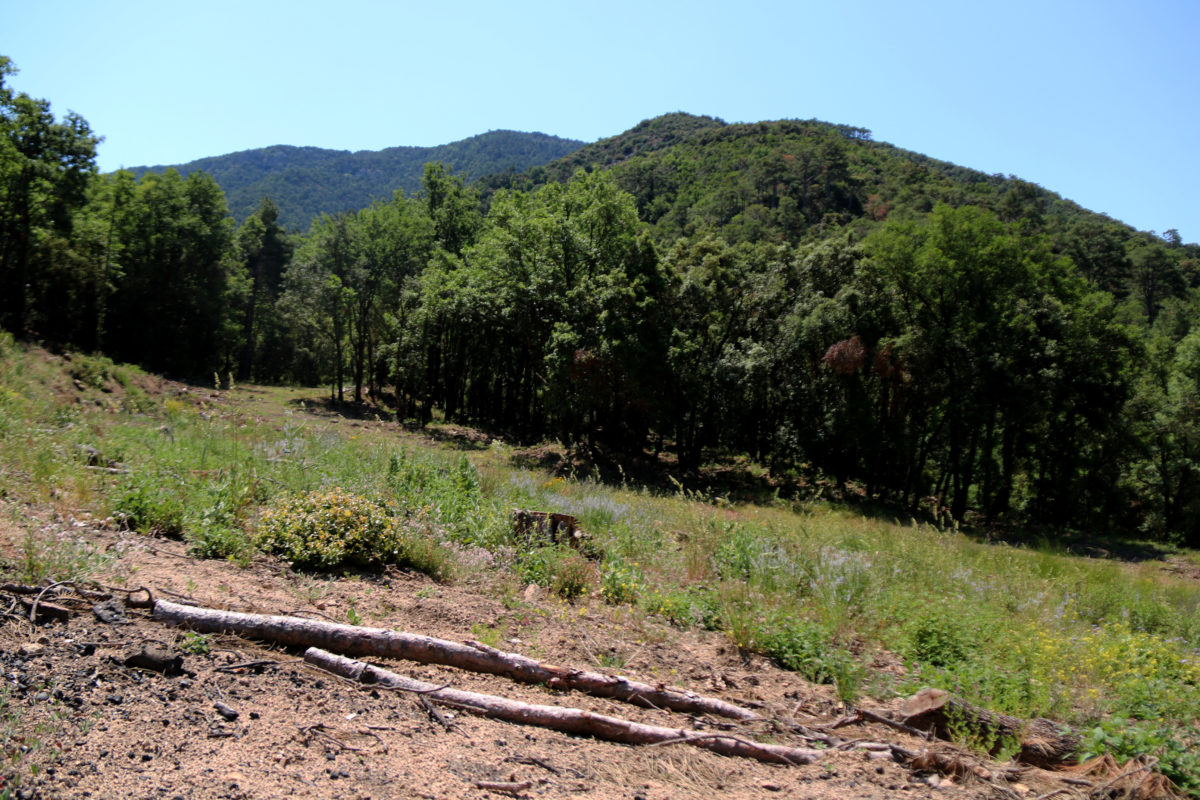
x=1112, y=648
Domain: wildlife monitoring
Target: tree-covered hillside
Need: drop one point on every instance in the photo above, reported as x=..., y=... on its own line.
x=788, y=180
x=845, y=313
x=305, y=182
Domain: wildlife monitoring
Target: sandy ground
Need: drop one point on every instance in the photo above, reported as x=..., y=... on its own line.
x=94, y=727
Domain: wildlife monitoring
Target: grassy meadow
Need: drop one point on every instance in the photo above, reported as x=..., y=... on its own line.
x=875, y=607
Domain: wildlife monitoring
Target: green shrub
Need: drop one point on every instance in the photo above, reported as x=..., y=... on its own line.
x=620, y=582
x=215, y=516
x=146, y=504
x=573, y=576
x=426, y=554
x=938, y=641
x=697, y=607
x=537, y=565
x=1177, y=749
x=557, y=567
x=804, y=647
x=448, y=495
x=739, y=553
x=196, y=644
x=96, y=371
x=219, y=541
x=675, y=607
x=330, y=529
x=55, y=558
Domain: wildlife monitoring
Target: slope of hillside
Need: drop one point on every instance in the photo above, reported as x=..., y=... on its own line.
x=306, y=182
x=129, y=486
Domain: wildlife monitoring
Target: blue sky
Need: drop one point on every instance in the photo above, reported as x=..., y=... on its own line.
x=1098, y=101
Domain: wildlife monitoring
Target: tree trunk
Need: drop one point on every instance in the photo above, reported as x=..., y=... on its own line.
x=359, y=355
x=569, y=720
x=472, y=656
x=246, y=359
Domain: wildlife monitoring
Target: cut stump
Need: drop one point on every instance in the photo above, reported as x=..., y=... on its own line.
x=1043, y=743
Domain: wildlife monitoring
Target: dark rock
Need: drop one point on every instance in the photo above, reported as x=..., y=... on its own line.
x=225, y=711
x=110, y=612
x=155, y=657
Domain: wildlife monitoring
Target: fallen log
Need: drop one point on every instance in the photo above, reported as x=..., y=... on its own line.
x=1043, y=743
x=379, y=642
x=40, y=612
x=568, y=720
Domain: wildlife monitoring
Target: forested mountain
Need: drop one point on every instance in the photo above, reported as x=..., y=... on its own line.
x=966, y=346
x=779, y=180
x=305, y=182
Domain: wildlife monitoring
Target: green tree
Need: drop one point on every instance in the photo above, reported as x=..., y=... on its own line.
x=707, y=315
x=45, y=167
x=1155, y=275
x=263, y=249
x=1014, y=364
x=316, y=300
x=539, y=324
x=1164, y=414
x=394, y=242
x=172, y=309
x=453, y=208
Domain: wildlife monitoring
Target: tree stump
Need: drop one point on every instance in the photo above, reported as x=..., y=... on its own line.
x=1042, y=742
x=543, y=527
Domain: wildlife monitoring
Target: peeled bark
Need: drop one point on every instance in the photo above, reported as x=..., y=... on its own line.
x=473, y=656
x=568, y=720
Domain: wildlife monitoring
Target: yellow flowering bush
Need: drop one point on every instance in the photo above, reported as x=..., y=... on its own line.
x=620, y=583
x=331, y=528
x=1108, y=668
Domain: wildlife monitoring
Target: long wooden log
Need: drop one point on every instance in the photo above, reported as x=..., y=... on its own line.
x=568, y=720
x=379, y=642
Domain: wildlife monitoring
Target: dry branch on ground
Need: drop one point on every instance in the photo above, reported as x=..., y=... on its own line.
x=568, y=720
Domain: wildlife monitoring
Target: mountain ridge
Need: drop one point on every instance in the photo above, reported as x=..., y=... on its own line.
x=306, y=181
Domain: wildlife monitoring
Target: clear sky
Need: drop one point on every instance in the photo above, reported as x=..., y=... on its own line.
x=1098, y=101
